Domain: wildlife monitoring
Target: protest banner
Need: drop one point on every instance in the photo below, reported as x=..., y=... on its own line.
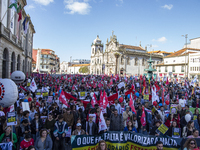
x=11, y=118
x=162, y=129
x=176, y=132
x=153, y=109
x=173, y=109
x=123, y=141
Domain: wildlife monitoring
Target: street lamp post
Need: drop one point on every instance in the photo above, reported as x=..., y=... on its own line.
x=186, y=36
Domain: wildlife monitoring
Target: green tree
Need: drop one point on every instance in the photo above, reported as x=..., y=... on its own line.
x=84, y=69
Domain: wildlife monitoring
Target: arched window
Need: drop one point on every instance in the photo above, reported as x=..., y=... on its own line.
x=18, y=62
x=143, y=62
x=128, y=61
x=136, y=61
x=122, y=60
x=12, y=65
x=23, y=67
x=93, y=51
x=5, y=63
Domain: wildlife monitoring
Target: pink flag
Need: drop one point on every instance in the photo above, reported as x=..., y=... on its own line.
x=143, y=117
x=131, y=104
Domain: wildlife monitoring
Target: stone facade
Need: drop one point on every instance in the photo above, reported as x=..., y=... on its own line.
x=132, y=59
x=15, y=45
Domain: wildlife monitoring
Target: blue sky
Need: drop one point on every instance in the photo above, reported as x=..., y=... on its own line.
x=69, y=26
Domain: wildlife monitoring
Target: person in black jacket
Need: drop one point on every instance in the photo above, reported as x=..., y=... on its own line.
x=36, y=126
x=91, y=127
x=153, y=130
x=24, y=129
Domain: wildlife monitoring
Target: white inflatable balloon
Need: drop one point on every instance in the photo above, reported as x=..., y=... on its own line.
x=8, y=92
x=188, y=117
x=18, y=76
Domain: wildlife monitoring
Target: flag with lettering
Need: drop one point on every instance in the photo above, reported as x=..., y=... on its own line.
x=63, y=99
x=94, y=100
x=102, y=123
x=33, y=86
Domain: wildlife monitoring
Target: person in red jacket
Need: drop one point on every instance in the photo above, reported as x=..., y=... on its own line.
x=169, y=120
x=28, y=141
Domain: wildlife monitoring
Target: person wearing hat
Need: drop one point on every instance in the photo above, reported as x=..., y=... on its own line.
x=78, y=130
x=153, y=130
x=127, y=115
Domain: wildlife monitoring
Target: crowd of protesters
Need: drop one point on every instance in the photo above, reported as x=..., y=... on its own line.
x=46, y=125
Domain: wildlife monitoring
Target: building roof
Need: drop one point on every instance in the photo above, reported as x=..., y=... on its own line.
x=180, y=52
x=160, y=52
x=79, y=65
x=34, y=55
x=131, y=47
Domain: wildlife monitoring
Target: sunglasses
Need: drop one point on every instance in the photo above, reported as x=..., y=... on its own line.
x=192, y=143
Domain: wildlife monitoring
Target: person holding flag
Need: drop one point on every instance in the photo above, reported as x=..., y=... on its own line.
x=142, y=119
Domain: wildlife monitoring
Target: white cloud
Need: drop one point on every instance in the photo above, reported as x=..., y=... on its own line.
x=77, y=6
x=29, y=7
x=162, y=39
x=154, y=46
x=44, y=2
x=169, y=7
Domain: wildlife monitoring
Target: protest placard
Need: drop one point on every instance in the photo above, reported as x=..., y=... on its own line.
x=173, y=109
x=162, y=129
x=176, y=132
x=11, y=118
x=68, y=132
x=50, y=99
x=146, y=97
x=25, y=106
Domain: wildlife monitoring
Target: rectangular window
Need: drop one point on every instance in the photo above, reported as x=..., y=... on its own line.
x=159, y=69
x=166, y=69
x=47, y=66
x=195, y=68
x=42, y=67
x=173, y=68
x=190, y=68
x=182, y=68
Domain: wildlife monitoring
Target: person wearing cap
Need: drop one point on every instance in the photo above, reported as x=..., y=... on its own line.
x=28, y=141
x=127, y=115
x=60, y=131
x=78, y=130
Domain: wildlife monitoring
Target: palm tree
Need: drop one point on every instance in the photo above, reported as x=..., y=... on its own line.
x=116, y=56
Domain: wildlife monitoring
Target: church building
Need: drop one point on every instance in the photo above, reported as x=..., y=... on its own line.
x=119, y=58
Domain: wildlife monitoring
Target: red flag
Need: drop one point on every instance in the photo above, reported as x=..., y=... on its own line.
x=68, y=96
x=111, y=99
x=131, y=104
x=177, y=99
x=143, y=117
x=63, y=99
x=94, y=100
x=167, y=82
x=23, y=88
x=20, y=15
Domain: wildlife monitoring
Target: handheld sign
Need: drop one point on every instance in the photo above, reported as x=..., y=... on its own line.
x=176, y=132
x=173, y=109
x=146, y=97
x=11, y=119
x=162, y=129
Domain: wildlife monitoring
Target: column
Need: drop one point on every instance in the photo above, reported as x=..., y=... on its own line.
x=8, y=16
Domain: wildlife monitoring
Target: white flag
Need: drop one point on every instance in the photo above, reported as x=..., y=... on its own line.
x=26, y=28
x=102, y=123
x=154, y=95
x=33, y=86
